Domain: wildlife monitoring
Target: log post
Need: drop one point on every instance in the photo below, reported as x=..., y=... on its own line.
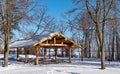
x=67, y=52
x=49, y=54
x=69, y=55
x=37, y=53
x=17, y=54
x=26, y=55
x=55, y=54
x=45, y=51
x=62, y=52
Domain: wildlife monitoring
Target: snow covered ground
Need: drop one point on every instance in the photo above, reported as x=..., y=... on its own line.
x=88, y=66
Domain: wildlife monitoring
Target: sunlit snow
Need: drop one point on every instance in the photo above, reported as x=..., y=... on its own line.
x=87, y=66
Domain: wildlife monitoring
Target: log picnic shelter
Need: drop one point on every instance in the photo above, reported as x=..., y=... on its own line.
x=51, y=41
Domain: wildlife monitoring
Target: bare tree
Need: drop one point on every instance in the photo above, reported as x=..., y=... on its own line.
x=11, y=13
x=97, y=21
x=86, y=28
x=98, y=11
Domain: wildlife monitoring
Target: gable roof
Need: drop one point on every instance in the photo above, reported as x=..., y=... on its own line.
x=61, y=41
x=42, y=39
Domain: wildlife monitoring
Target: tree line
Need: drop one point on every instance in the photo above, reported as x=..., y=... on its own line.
x=98, y=21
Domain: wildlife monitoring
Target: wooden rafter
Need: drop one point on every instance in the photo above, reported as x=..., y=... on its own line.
x=47, y=42
x=61, y=42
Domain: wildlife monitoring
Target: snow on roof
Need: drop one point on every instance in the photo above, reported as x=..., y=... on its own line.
x=30, y=42
x=36, y=40
x=52, y=34
x=23, y=43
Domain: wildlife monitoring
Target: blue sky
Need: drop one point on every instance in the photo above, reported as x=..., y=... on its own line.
x=57, y=7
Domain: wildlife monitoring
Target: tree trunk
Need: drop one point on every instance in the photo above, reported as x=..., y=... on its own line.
x=98, y=50
x=86, y=46
x=7, y=35
x=117, y=47
x=89, y=50
x=112, y=56
x=109, y=50
x=6, y=55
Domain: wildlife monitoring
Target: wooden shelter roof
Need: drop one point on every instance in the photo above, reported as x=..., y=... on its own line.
x=48, y=41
